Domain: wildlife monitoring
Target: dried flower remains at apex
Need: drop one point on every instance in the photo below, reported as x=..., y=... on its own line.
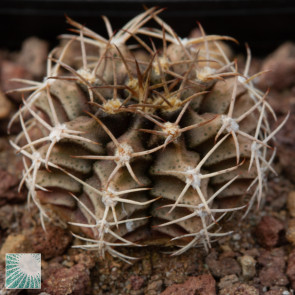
x=140, y=144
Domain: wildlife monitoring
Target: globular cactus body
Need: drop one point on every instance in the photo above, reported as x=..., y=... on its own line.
x=140, y=145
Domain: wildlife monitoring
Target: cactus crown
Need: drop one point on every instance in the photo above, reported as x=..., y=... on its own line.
x=126, y=142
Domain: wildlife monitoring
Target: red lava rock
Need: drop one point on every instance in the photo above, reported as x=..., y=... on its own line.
x=239, y=289
x=291, y=268
x=51, y=243
x=273, y=270
x=136, y=282
x=8, y=71
x=222, y=267
x=52, y=267
x=273, y=258
x=268, y=231
x=68, y=281
x=201, y=285
x=270, y=276
x=282, y=66
x=273, y=265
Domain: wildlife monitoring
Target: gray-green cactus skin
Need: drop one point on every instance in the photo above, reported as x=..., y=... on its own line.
x=129, y=144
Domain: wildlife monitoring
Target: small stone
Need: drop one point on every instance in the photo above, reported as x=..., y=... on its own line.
x=51, y=243
x=248, y=266
x=201, y=285
x=290, y=234
x=154, y=286
x=227, y=281
x=291, y=268
x=270, y=276
x=136, y=282
x=291, y=203
x=272, y=258
x=74, y=281
x=268, y=231
x=222, y=267
x=48, y=268
x=273, y=268
x=239, y=289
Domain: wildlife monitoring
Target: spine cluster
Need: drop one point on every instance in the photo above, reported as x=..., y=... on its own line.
x=144, y=136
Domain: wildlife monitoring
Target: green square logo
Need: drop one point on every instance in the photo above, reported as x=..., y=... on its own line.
x=23, y=271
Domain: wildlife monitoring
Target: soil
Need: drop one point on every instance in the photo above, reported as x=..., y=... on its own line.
x=258, y=258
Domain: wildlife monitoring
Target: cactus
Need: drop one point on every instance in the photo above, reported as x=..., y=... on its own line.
x=136, y=145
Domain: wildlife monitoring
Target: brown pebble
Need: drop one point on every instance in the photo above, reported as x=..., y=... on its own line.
x=201, y=285
x=291, y=203
x=272, y=258
x=268, y=231
x=291, y=268
x=51, y=243
x=227, y=281
x=74, y=281
x=136, y=282
x=270, y=276
x=154, y=287
x=222, y=267
x=239, y=289
x=273, y=265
